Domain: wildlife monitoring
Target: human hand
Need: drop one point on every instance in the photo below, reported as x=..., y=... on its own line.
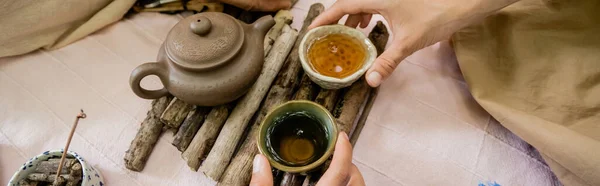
x=260, y=5
x=341, y=171
x=415, y=24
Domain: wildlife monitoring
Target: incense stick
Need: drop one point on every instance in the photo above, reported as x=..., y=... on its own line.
x=81, y=115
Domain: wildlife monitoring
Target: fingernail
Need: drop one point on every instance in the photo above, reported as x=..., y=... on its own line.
x=256, y=165
x=375, y=78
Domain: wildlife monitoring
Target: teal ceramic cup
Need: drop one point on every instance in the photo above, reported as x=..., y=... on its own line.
x=317, y=112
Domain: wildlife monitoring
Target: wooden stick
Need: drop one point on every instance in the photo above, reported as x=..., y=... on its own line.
x=175, y=113
x=283, y=17
x=363, y=117
x=307, y=90
x=81, y=115
x=353, y=100
x=26, y=182
x=75, y=175
x=41, y=177
x=177, y=6
x=239, y=170
x=230, y=135
x=328, y=98
x=292, y=179
x=147, y=136
x=206, y=136
x=51, y=166
x=190, y=126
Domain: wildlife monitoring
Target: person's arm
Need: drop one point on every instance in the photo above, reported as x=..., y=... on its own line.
x=415, y=24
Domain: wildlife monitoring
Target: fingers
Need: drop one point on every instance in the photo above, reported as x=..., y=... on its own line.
x=330, y=16
x=362, y=18
x=366, y=18
x=356, y=179
x=385, y=64
x=338, y=172
x=353, y=20
x=261, y=172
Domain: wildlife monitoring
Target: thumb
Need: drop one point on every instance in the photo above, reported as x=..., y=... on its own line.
x=261, y=172
x=385, y=64
x=338, y=172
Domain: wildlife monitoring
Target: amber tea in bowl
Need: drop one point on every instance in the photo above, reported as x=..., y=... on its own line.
x=298, y=136
x=335, y=56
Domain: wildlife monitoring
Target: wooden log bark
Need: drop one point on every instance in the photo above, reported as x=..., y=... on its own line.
x=222, y=152
x=308, y=90
x=147, y=136
x=353, y=101
x=41, y=177
x=51, y=166
x=189, y=127
x=239, y=170
x=206, y=136
x=363, y=117
x=328, y=98
x=283, y=17
x=175, y=113
x=292, y=179
x=25, y=182
x=75, y=175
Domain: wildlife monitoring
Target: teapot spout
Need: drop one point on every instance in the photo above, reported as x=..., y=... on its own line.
x=263, y=24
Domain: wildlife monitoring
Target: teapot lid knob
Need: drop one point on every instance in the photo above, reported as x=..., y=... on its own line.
x=201, y=26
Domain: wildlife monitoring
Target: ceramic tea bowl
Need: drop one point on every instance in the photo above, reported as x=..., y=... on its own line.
x=90, y=176
x=316, y=111
x=328, y=82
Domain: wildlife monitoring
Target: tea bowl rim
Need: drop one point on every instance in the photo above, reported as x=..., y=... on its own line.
x=306, y=168
x=338, y=82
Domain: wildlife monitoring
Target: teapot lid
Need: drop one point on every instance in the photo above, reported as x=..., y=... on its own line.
x=204, y=40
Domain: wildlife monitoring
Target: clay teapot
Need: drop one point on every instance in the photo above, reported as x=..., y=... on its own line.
x=207, y=59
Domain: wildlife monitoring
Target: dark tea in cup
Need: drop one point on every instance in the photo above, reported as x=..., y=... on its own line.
x=297, y=136
x=296, y=139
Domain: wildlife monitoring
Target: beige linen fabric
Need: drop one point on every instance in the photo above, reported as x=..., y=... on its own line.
x=535, y=66
x=27, y=25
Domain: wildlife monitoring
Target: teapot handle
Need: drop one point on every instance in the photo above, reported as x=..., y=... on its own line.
x=142, y=71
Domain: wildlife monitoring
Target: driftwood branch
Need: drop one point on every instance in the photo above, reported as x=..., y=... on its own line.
x=292, y=179
x=353, y=100
x=146, y=137
x=175, y=113
x=307, y=90
x=51, y=166
x=239, y=170
x=206, y=136
x=363, y=117
x=190, y=126
x=328, y=98
x=230, y=135
x=283, y=17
